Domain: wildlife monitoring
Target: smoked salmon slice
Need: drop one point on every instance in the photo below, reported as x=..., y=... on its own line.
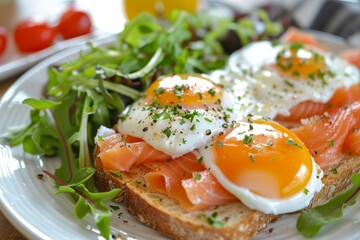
x=294, y=35
x=303, y=110
x=352, y=141
x=119, y=153
x=109, y=142
x=342, y=97
x=183, y=178
x=112, y=140
x=325, y=135
x=165, y=177
x=203, y=188
x=352, y=56
x=187, y=181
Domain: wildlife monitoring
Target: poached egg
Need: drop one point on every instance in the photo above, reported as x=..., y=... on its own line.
x=179, y=113
x=279, y=76
x=264, y=165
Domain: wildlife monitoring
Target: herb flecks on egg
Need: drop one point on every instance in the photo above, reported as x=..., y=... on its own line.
x=180, y=113
x=278, y=77
x=265, y=152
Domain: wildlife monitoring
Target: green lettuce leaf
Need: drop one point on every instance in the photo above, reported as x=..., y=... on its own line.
x=311, y=222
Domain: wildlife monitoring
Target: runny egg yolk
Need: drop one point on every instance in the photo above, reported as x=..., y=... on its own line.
x=185, y=90
x=299, y=62
x=264, y=157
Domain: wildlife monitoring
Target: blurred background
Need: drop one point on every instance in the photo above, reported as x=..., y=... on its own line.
x=106, y=14
x=338, y=17
x=341, y=17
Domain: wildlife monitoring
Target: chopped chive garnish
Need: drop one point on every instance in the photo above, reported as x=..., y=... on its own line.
x=293, y=143
x=167, y=132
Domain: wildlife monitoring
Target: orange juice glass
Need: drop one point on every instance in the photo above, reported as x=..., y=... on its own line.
x=158, y=7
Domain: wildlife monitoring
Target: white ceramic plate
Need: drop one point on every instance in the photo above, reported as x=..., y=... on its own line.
x=29, y=203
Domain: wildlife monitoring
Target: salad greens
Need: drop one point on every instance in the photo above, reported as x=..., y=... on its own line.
x=311, y=222
x=93, y=90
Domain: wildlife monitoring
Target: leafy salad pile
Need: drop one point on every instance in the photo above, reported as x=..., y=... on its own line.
x=93, y=90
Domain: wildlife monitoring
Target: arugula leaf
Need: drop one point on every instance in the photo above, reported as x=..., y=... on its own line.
x=41, y=103
x=311, y=222
x=87, y=201
x=81, y=208
x=82, y=176
x=62, y=120
x=102, y=217
x=81, y=136
x=150, y=66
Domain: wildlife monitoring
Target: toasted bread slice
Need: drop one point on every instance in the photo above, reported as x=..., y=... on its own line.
x=337, y=179
x=166, y=215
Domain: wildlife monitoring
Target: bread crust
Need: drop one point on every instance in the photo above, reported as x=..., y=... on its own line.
x=166, y=215
x=337, y=179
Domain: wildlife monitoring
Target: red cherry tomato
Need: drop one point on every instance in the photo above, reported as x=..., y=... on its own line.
x=33, y=35
x=3, y=40
x=74, y=23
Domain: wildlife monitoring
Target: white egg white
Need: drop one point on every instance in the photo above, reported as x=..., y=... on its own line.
x=172, y=133
x=243, y=102
x=272, y=93
x=103, y=132
x=298, y=201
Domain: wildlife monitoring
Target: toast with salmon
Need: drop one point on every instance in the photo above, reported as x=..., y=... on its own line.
x=324, y=132
x=230, y=220
x=237, y=221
